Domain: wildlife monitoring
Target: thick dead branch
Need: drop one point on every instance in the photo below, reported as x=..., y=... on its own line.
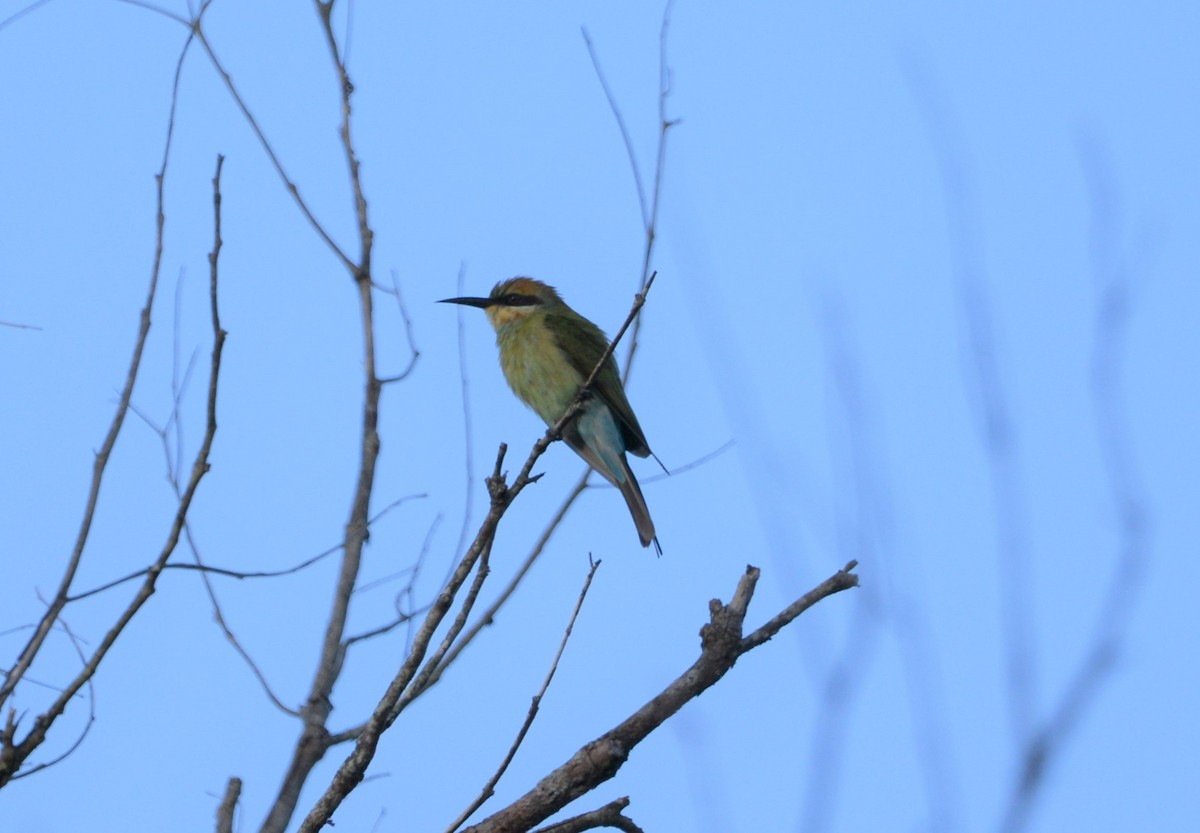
x=721, y=643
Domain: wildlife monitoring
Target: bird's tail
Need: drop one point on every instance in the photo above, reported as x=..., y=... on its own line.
x=637, y=507
x=605, y=452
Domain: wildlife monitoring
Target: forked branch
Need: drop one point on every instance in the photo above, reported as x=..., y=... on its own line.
x=722, y=643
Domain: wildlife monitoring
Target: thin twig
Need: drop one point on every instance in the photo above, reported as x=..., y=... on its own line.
x=422, y=556
x=607, y=816
x=291, y=186
x=468, y=431
x=380, y=630
x=421, y=682
x=228, y=808
x=12, y=758
x=91, y=700
x=489, y=789
x=242, y=574
x=12, y=754
x=625, y=137
x=27, y=654
x=218, y=614
x=488, y=616
x=413, y=352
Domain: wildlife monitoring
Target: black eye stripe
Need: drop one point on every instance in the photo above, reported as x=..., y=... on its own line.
x=514, y=299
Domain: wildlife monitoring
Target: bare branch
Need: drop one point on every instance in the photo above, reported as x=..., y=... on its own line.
x=625, y=137
x=13, y=676
x=208, y=568
x=489, y=789
x=218, y=614
x=649, y=211
x=91, y=700
x=228, y=807
x=488, y=616
x=400, y=619
x=291, y=186
x=607, y=816
x=789, y=613
x=414, y=353
x=315, y=737
x=365, y=234
x=352, y=770
x=664, y=125
x=422, y=680
x=722, y=644
x=12, y=753
x=468, y=432
x=12, y=756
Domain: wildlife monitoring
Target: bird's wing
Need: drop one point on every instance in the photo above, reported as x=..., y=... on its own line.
x=582, y=343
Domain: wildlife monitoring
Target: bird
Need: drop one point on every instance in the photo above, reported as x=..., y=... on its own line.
x=547, y=352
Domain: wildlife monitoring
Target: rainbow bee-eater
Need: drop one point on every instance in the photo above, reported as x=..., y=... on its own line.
x=547, y=352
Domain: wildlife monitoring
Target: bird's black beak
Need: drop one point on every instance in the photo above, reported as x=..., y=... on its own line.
x=482, y=303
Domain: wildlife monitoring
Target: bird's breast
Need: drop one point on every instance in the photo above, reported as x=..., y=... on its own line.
x=536, y=369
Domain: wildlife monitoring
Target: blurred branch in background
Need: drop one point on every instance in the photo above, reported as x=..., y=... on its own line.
x=1039, y=732
x=867, y=531
x=1113, y=271
x=982, y=354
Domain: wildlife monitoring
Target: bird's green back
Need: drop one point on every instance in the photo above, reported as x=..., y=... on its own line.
x=582, y=344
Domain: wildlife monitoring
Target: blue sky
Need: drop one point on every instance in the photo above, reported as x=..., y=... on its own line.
x=842, y=176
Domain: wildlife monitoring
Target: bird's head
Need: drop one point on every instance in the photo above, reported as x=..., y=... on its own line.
x=512, y=300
